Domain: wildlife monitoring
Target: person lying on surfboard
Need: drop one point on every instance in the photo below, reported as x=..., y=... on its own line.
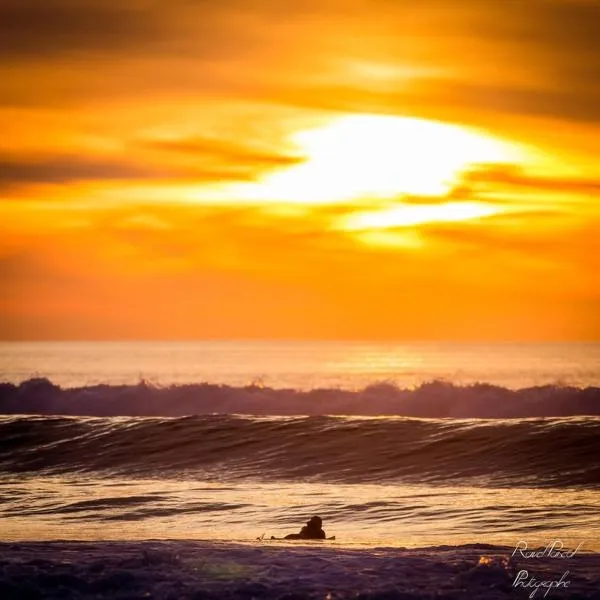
x=311, y=531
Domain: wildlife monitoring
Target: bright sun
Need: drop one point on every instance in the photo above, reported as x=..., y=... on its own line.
x=377, y=157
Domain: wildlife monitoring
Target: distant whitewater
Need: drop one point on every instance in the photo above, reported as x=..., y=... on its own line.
x=437, y=399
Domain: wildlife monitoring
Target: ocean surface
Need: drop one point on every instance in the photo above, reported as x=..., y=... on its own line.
x=392, y=444
x=301, y=365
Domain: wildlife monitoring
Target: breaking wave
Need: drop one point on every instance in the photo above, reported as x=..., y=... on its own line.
x=435, y=399
x=553, y=452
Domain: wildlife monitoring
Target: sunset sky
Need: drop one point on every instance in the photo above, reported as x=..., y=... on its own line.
x=327, y=169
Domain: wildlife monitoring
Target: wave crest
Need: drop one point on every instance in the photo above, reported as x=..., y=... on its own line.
x=434, y=399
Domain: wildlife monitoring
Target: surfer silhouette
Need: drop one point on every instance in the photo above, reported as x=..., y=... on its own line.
x=311, y=531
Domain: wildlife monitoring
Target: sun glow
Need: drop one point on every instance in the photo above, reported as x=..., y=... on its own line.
x=377, y=157
x=409, y=215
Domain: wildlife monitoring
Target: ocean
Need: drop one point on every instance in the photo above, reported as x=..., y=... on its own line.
x=301, y=365
x=391, y=444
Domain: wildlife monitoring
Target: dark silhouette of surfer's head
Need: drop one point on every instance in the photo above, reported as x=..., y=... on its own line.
x=311, y=531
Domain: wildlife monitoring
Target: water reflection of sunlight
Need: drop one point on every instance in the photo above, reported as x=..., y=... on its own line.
x=359, y=515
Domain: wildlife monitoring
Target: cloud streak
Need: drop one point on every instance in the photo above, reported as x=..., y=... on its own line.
x=208, y=160
x=539, y=60
x=34, y=28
